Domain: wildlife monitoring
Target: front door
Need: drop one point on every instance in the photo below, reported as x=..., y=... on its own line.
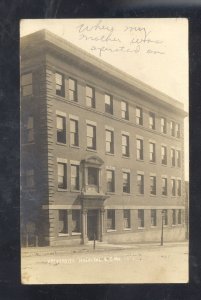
x=92, y=224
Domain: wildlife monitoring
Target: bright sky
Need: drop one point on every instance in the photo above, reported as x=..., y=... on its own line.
x=154, y=51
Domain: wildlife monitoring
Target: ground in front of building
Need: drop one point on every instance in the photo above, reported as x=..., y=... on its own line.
x=148, y=263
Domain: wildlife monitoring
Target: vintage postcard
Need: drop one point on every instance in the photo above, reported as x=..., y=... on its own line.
x=104, y=151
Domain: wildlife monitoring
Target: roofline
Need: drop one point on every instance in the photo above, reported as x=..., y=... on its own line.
x=58, y=42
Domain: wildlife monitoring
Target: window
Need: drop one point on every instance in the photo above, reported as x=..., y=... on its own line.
x=177, y=130
x=126, y=182
x=72, y=89
x=152, y=121
x=173, y=157
x=125, y=145
x=152, y=152
x=179, y=216
x=90, y=97
x=164, y=155
x=60, y=86
x=127, y=218
x=63, y=222
x=173, y=186
x=163, y=125
x=172, y=128
x=153, y=218
x=29, y=178
x=110, y=181
x=178, y=158
x=108, y=104
x=139, y=118
x=76, y=224
x=29, y=130
x=61, y=129
x=173, y=217
x=164, y=186
x=27, y=88
x=140, y=184
x=93, y=176
x=179, y=187
x=109, y=141
x=165, y=217
x=111, y=219
x=140, y=218
x=62, y=176
x=91, y=137
x=139, y=149
x=124, y=110
x=74, y=141
x=153, y=185
x=74, y=177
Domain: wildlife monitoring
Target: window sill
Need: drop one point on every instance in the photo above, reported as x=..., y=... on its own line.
x=164, y=196
x=152, y=162
x=74, y=146
x=63, y=234
x=75, y=191
x=164, y=165
x=109, y=113
x=110, y=193
x=153, y=226
x=61, y=97
x=141, y=160
x=111, y=230
x=91, y=150
x=141, y=228
x=76, y=233
x=151, y=195
x=126, y=194
x=60, y=144
x=140, y=195
x=62, y=190
x=174, y=225
x=92, y=107
x=127, y=229
x=108, y=153
x=126, y=157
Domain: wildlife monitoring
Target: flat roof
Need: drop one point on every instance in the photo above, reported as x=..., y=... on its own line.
x=66, y=47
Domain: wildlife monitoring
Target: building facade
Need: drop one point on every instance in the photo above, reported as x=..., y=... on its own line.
x=102, y=154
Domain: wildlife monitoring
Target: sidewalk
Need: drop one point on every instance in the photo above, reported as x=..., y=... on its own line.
x=100, y=246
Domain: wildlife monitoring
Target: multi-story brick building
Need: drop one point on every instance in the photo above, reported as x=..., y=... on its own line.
x=102, y=153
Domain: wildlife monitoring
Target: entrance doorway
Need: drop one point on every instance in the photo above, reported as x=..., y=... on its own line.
x=92, y=224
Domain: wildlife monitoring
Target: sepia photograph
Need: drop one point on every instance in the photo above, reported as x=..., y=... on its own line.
x=104, y=151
